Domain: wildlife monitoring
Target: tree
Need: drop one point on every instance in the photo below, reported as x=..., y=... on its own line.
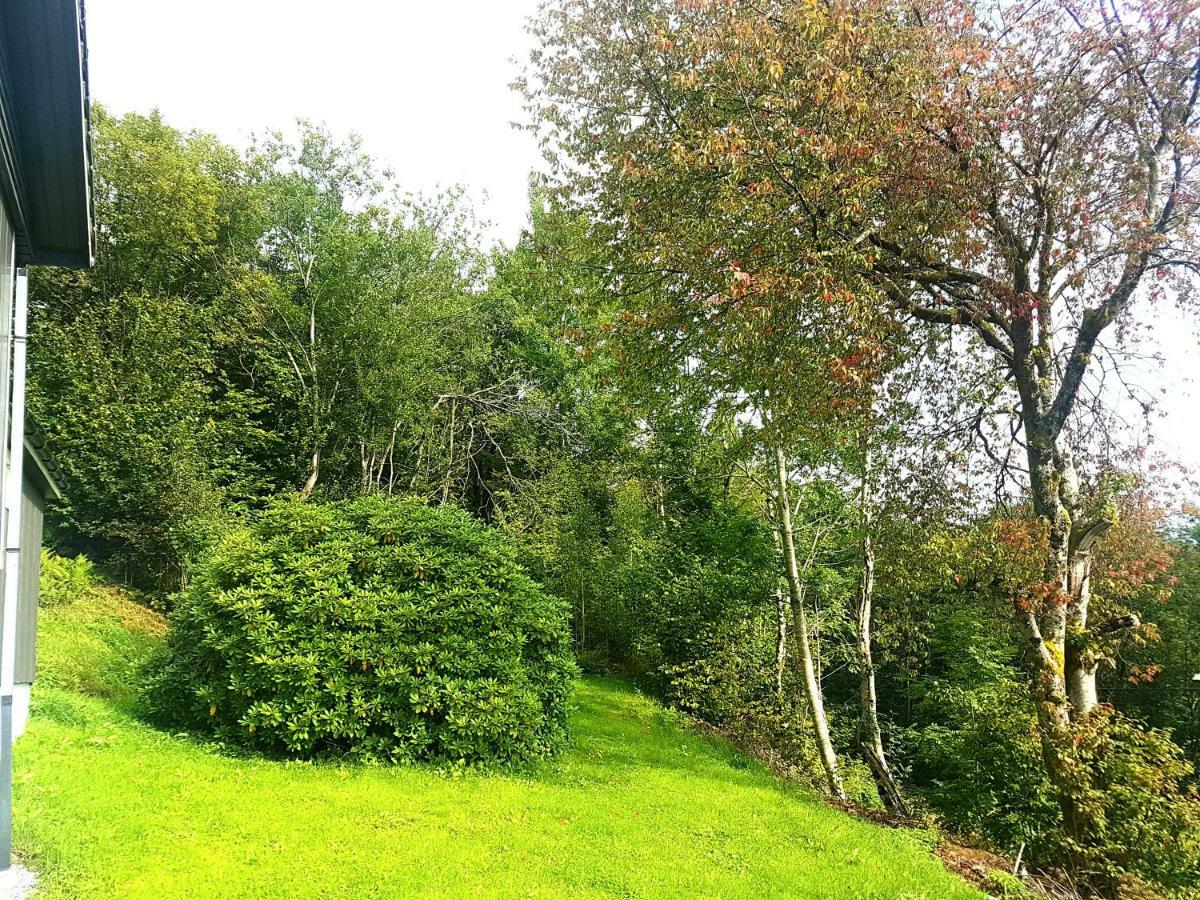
x=310, y=192
x=870, y=736
x=371, y=305
x=782, y=510
x=140, y=376
x=1062, y=189
x=700, y=285
x=1022, y=172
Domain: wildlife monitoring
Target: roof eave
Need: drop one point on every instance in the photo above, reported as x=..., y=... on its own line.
x=47, y=125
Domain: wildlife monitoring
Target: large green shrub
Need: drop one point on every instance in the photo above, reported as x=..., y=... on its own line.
x=376, y=628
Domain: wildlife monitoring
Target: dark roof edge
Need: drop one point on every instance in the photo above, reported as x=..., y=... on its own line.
x=84, y=257
x=47, y=46
x=43, y=471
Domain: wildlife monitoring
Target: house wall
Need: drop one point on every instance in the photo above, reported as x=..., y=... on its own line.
x=8, y=271
x=46, y=219
x=29, y=569
x=6, y=251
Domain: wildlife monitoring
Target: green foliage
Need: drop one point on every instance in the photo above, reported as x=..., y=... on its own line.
x=749, y=176
x=973, y=746
x=63, y=578
x=1148, y=823
x=403, y=371
x=1005, y=885
x=125, y=400
x=690, y=588
x=671, y=575
x=142, y=377
x=676, y=600
x=376, y=628
x=257, y=322
x=1154, y=680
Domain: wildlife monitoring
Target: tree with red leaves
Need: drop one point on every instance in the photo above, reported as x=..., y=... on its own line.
x=1063, y=150
x=774, y=184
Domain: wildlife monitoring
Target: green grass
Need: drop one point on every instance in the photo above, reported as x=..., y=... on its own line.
x=95, y=645
x=640, y=807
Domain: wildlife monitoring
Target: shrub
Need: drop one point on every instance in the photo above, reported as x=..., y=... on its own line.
x=1145, y=832
x=63, y=579
x=373, y=628
x=973, y=749
x=1006, y=885
x=981, y=767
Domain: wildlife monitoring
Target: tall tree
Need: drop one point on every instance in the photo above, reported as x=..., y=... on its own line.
x=310, y=192
x=703, y=283
x=782, y=511
x=870, y=735
x=1063, y=188
x=140, y=373
x=371, y=304
x=1025, y=172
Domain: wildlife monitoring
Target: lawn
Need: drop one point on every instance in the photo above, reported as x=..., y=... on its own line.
x=639, y=807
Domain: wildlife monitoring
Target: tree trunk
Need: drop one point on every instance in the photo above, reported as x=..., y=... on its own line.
x=781, y=631
x=1057, y=735
x=870, y=738
x=314, y=473
x=812, y=687
x=1051, y=476
x=449, y=478
x=1081, y=660
x=314, y=465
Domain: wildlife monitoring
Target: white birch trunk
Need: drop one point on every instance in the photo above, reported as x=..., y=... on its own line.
x=812, y=687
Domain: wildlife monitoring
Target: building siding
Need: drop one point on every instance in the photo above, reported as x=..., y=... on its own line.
x=7, y=284
x=33, y=508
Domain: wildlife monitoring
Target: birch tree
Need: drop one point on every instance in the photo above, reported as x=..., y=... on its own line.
x=309, y=192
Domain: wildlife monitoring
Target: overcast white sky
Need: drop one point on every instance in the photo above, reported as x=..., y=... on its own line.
x=425, y=82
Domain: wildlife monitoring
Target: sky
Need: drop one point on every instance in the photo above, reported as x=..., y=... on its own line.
x=424, y=83
x=426, y=86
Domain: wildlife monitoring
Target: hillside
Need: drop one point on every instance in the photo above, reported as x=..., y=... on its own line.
x=639, y=807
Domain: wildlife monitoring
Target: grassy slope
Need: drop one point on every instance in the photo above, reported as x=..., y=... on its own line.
x=107, y=807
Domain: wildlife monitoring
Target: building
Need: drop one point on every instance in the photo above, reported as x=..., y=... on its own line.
x=45, y=219
x=38, y=484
